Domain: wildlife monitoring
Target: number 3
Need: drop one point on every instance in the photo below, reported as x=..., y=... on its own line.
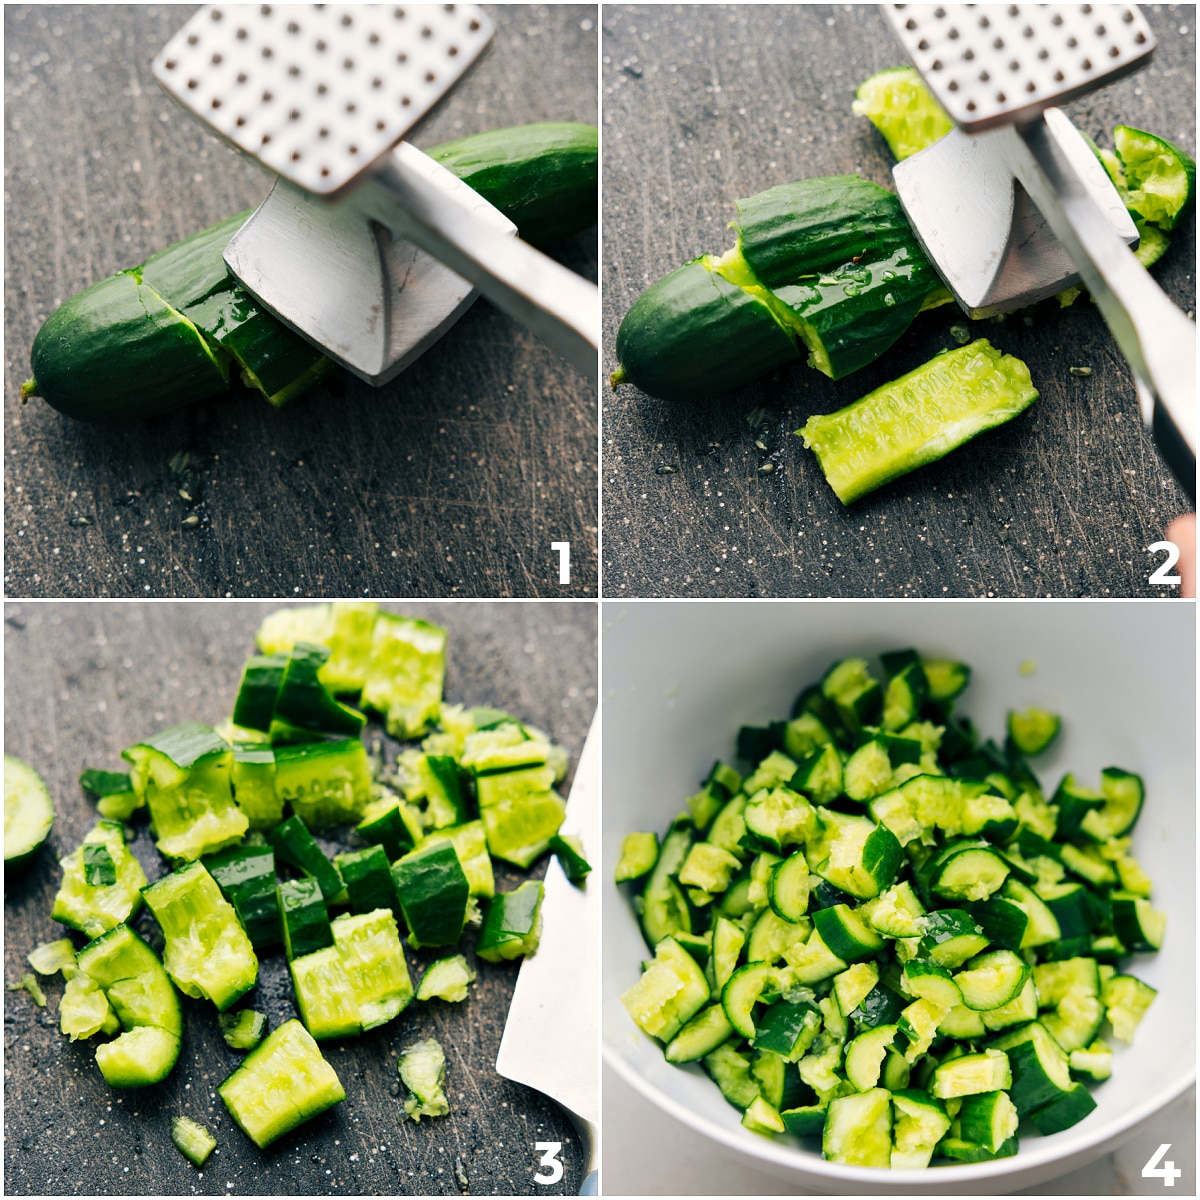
x=550, y=1161
x=1160, y=575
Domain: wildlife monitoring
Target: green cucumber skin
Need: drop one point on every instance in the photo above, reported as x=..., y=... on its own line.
x=694, y=333
x=542, y=177
x=816, y=225
x=96, y=358
x=116, y=352
x=685, y=336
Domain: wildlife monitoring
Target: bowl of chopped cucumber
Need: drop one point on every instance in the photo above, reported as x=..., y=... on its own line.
x=901, y=897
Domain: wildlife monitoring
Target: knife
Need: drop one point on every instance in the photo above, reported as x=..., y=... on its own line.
x=551, y=1037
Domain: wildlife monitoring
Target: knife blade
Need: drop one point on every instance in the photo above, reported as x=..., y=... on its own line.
x=551, y=1037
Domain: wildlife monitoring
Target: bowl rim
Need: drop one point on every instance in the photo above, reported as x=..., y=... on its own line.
x=787, y=1154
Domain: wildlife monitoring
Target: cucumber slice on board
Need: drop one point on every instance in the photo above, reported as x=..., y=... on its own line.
x=28, y=812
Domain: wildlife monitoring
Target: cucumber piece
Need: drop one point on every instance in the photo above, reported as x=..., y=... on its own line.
x=405, y=673
x=470, y=844
x=91, y=906
x=972, y=1074
x=243, y=1030
x=1159, y=179
x=730, y=1071
x=918, y=418
x=512, y=926
x=116, y=798
x=966, y=871
x=787, y=1029
x=865, y=1055
x=1033, y=730
x=51, y=957
x=858, y=1129
x=143, y=1001
x=422, y=1068
x=326, y=783
x=434, y=894
x=1126, y=1000
x=747, y=986
x=281, y=1084
x=368, y=878
x=1137, y=924
x=183, y=775
x=846, y=934
x=298, y=848
x=304, y=919
x=992, y=980
x=392, y=824
x=246, y=877
x=675, y=342
x=706, y=1031
x=671, y=991
x=897, y=102
x=192, y=1140
x=253, y=779
x=28, y=812
x=1123, y=794
x=927, y=981
x=542, y=177
x=207, y=952
x=446, y=979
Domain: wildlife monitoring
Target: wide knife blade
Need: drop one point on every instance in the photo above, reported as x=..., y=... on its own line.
x=551, y=1038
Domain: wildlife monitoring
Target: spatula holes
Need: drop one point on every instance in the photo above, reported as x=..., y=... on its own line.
x=1014, y=65
x=402, y=58
x=1072, y=43
x=352, y=151
x=376, y=83
x=910, y=24
x=322, y=89
x=1114, y=52
x=1101, y=31
x=265, y=9
x=939, y=13
x=267, y=52
x=294, y=114
x=169, y=65
x=952, y=86
x=294, y=156
x=216, y=102
x=192, y=39
x=324, y=172
x=398, y=14
x=473, y=26
x=1031, y=87
x=322, y=132
x=1001, y=98
x=970, y=106
x=216, y=14
x=374, y=39
x=922, y=45
x=294, y=71
x=292, y=27
x=430, y=77
x=1140, y=38
x=351, y=107
x=426, y=32
x=240, y=122
x=1059, y=77
x=217, y=60
x=453, y=52
x=267, y=97
x=969, y=55
x=321, y=46
x=985, y=76
x=1056, y=19
x=347, y=64
x=241, y=35
x=998, y=43
x=241, y=77
x=1014, y=10
x=193, y=84
x=405, y=101
x=347, y=20
x=985, y=23
x=1086, y=64
x=1043, y=54
x=380, y=126
x=265, y=140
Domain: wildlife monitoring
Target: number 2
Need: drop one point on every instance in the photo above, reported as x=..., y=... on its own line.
x=1160, y=574
x=552, y=1163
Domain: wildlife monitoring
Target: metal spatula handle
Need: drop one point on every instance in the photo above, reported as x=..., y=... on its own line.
x=557, y=305
x=1157, y=340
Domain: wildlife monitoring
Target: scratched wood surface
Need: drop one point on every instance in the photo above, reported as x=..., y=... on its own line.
x=83, y=681
x=705, y=104
x=452, y=480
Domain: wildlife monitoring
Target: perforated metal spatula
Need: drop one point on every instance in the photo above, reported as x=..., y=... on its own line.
x=321, y=94
x=999, y=71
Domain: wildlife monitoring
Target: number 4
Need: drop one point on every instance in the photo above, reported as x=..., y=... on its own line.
x=552, y=1163
x=1168, y=1172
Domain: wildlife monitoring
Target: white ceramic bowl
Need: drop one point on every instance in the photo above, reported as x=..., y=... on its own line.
x=679, y=678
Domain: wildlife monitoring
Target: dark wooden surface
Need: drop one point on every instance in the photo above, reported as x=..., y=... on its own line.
x=452, y=480
x=705, y=104
x=83, y=681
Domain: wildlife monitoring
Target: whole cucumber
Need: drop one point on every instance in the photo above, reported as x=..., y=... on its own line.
x=170, y=333
x=828, y=264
